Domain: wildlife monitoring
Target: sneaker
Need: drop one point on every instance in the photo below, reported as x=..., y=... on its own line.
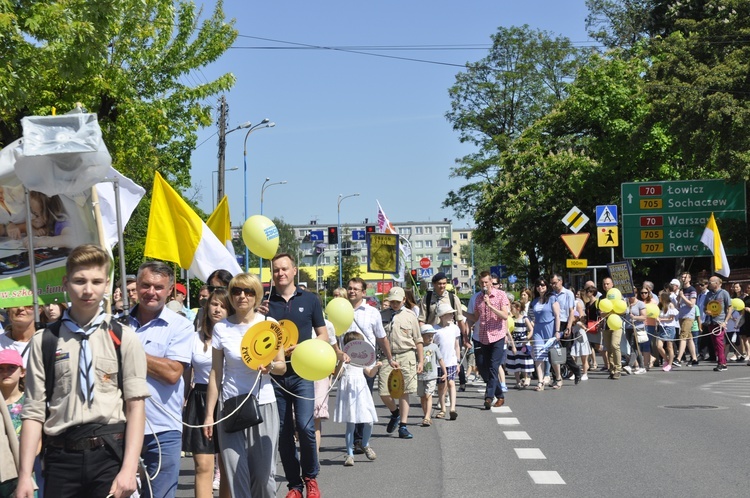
x=667, y=367
x=297, y=493
x=404, y=433
x=676, y=363
x=370, y=453
x=627, y=369
x=585, y=377
x=462, y=388
x=358, y=449
x=741, y=358
x=392, y=423
x=348, y=462
x=604, y=369
x=504, y=387
x=720, y=368
x=694, y=363
x=216, y=485
x=639, y=371
x=311, y=486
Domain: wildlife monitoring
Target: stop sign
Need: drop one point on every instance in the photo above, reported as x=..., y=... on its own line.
x=425, y=262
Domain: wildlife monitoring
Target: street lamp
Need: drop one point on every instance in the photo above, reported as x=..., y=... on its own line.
x=338, y=209
x=262, y=190
x=266, y=123
x=222, y=152
x=213, y=189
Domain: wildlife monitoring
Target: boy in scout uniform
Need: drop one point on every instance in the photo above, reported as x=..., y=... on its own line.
x=89, y=450
x=402, y=330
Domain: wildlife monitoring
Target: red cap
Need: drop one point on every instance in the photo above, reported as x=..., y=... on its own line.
x=181, y=289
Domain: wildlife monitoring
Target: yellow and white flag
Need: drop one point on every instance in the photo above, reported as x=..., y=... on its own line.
x=177, y=234
x=712, y=240
x=220, y=224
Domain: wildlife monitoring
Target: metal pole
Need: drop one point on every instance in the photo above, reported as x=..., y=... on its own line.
x=32, y=259
x=266, y=123
x=338, y=230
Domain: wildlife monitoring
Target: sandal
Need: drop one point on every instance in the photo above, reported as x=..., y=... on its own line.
x=539, y=387
x=557, y=384
x=426, y=422
x=440, y=414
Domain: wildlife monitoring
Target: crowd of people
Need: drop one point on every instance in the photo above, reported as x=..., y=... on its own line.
x=178, y=376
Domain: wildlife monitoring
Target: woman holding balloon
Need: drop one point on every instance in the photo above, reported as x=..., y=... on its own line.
x=249, y=454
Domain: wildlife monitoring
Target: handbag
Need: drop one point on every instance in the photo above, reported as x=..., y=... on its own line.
x=591, y=327
x=557, y=355
x=247, y=416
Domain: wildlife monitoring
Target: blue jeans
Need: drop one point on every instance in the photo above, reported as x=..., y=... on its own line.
x=493, y=355
x=297, y=413
x=165, y=484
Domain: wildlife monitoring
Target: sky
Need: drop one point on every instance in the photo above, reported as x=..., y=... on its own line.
x=350, y=123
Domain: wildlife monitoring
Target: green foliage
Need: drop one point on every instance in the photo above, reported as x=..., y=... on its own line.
x=125, y=60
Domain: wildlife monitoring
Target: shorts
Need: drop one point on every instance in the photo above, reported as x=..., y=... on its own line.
x=426, y=387
x=321, y=398
x=686, y=328
x=666, y=333
x=451, y=371
x=408, y=364
x=471, y=360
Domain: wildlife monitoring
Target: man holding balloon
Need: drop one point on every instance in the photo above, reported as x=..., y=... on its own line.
x=295, y=395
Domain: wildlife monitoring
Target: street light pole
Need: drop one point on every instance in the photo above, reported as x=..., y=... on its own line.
x=223, y=147
x=338, y=231
x=262, y=191
x=213, y=194
x=266, y=123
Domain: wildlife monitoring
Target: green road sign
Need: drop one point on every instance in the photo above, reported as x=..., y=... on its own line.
x=667, y=219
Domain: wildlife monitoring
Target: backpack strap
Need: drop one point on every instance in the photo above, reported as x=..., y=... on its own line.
x=50, y=337
x=115, y=332
x=428, y=307
x=452, y=299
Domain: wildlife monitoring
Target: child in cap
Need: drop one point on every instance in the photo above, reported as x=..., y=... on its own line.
x=447, y=339
x=89, y=450
x=11, y=389
x=427, y=380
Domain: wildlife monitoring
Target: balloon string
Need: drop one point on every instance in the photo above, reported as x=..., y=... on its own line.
x=333, y=384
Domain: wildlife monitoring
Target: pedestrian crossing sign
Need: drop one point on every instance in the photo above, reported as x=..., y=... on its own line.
x=606, y=216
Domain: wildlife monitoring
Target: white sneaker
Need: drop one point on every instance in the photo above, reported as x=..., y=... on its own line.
x=627, y=369
x=584, y=377
x=639, y=371
x=216, y=485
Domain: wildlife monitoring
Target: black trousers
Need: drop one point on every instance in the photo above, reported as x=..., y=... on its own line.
x=85, y=474
x=568, y=344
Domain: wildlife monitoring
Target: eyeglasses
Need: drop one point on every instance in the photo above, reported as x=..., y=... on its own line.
x=555, y=282
x=212, y=288
x=236, y=291
x=355, y=289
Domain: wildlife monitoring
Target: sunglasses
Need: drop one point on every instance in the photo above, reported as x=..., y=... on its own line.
x=236, y=291
x=541, y=285
x=212, y=288
x=644, y=293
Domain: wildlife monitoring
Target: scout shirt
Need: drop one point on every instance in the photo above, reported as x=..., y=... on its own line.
x=402, y=330
x=67, y=408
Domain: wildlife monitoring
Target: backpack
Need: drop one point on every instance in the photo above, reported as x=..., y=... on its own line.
x=50, y=338
x=428, y=300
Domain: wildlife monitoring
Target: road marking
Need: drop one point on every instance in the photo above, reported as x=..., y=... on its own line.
x=517, y=436
x=738, y=388
x=529, y=454
x=500, y=409
x=508, y=421
x=546, y=477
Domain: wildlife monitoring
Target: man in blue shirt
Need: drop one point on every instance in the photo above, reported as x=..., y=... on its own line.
x=167, y=339
x=567, y=302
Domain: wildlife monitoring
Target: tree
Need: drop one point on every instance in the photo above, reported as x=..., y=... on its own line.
x=619, y=23
x=525, y=73
x=288, y=242
x=125, y=60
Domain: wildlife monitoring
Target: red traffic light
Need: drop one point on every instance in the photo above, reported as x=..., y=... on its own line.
x=370, y=228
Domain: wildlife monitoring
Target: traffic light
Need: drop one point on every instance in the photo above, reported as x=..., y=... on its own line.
x=414, y=276
x=370, y=229
x=333, y=235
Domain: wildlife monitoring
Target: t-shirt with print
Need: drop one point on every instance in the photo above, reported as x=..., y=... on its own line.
x=432, y=356
x=445, y=338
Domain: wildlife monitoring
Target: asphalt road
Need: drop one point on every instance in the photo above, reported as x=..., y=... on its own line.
x=682, y=433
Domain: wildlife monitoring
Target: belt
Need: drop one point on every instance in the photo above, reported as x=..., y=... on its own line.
x=86, y=443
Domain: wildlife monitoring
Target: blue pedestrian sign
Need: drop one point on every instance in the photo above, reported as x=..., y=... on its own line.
x=425, y=272
x=606, y=216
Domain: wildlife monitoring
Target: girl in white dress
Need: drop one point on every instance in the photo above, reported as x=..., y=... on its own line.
x=354, y=404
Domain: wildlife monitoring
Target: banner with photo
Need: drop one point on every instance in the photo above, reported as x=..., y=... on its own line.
x=382, y=253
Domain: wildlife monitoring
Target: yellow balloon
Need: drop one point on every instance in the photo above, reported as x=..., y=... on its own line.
x=261, y=236
x=614, y=294
x=340, y=313
x=738, y=304
x=511, y=325
x=313, y=359
x=652, y=310
x=614, y=322
x=605, y=305
x=619, y=306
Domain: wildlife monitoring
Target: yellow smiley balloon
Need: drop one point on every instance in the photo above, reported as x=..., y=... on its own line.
x=261, y=343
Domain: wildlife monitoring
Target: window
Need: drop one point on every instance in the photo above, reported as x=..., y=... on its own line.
x=428, y=243
x=464, y=273
x=417, y=244
x=428, y=230
x=418, y=230
x=441, y=229
x=443, y=243
x=404, y=230
x=463, y=236
x=463, y=261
